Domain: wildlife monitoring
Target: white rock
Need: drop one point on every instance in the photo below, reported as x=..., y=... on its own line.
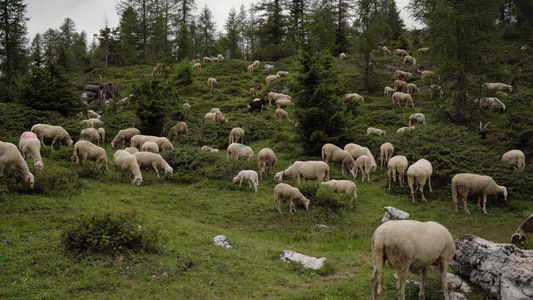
x=457, y=296
x=397, y=213
x=268, y=67
x=386, y=217
x=222, y=241
x=307, y=261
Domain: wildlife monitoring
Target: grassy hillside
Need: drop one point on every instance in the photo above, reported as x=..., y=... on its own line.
x=199, y=201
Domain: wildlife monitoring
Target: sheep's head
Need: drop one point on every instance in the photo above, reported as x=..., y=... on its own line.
x=518, y=239
x=30, y=179
x=504, y=192
x=279, y=176
x=234, y=180
x=169, y=170
x=39, y=165
x=373, y=167
x=137, y=180
x=306, y=203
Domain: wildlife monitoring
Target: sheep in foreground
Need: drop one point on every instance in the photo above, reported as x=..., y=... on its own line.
x=363, y=165
x=285, y=191
x=266, y=158
x=154, y=160
x=356, y=151
x=309, y=170
x=272, y=96
x=417, y=119
x=89, y=151
x=515, y=157
x=343, y=186
x=180, y=128
x=101, y=133
x=466, y=184
x=281, y=114
x=90, y=134
x=400, y=74
x=150, y=146
x=375, y=131
x=399, y=97
x=411, y=245
x=335, y=154
x=417, y=175
x=57, y=134
x=30, y=146
x=239, y=152
x=212, y=82
x=519, y=237
x=354, y=96
x=388, y=91
x=497, y=86
x=251, y=175
x=125, y=161
x=124, y=136
x=11, y=159
x=236, y=134
x=397, y=166
x=271, y=78
x=386, y=150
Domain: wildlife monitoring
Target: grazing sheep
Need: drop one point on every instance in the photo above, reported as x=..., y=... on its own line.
x=207, y=59
x=343, y=186
x=285, y=191
x=397, y=165
x=266, y=159
x=354, y=96
x=387, y=150
x=417, y=175
x=131, y=150
x=239, y=152
x=401, y=75
x=154, y=160
x=215, y=109
x=101, y=133
x=356, y=151
x=91, y=135
x=412, y=88
x=125, y=161
x=271, y=78
x=282, y=73
x=281, y=114
x=276, y=96
x=247, y=174
x=283, y=103
x=212, y=82
x=426, y=74
x=90, y=151
x=236, y=134
x=256, y=64
x=309, y=170
x=162, y=142
x=91, y=114
x=250, y=69
x=519, y=237
x=11, y=159
x=57, y=134
x=399, y=97
x=124, y=136
x=335, y=154
x=409, y=60
x=515, y=157
x=197, y=66
x=388, y=91
x=497, y=86
x=30, y=146
x=180, y=128
x=405, y=128
x=417, y=119
x=411, y=245
x=422, y=50
x=150, y=146
x=342, y=56
x=492, y=103
x=254, y=90
x=399, y=52
x=466, y=184
x=375, y=131
x=220, y=57
x=400, y=85
x=217, y=116
x=363, y=165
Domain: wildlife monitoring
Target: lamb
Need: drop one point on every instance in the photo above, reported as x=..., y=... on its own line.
x=466, y=184
x=276, y=96
x=399, y=97
x=400, y=85
x=162, y=142
x=271, y=78
x=124, y=136
x=417, y=175
x=411, y=88
x=57, y=134
x=180, y=128
x=397, y=165
x=283, y=103
x=92, y=114
x=388, y=91
x=519, y=237
x=91, y=135
x=363, y=165
x=309, y=170
x=417, y=119
x=239, y=152
x=30, y=146
x=342, y=56
x=150, y=146
x=387, y=150
x=411, y=245
x=399, y=52
x=284, y=191
x=266, y=159
x=212, y=82
x=354, y=96
x=197, y=66
x=335, y=154
x=11, y=159
x=250, y=69
x=254, y=90
x=426, y=74
x=101, y=133
x=343, y=186
x=400, y=74
x=125, y=161
x=281, y=114
x=256, y=63
x=88, y=150
x=375, y=131
x=154, y=160
x=408, y=59
x=492, y=103
x=247, y=174
x=515, y=157
x=236, y=134
x=497, y=86
x=282, y=73
x=356, y=151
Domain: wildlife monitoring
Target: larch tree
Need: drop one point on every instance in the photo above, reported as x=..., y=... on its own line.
x=205, y=38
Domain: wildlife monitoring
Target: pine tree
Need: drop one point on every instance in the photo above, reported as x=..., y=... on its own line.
x=232, y=34
x=205, y=41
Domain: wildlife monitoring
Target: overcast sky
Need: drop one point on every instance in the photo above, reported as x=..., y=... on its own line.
x=90, y=16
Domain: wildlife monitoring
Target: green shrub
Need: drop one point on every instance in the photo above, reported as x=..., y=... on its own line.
x=57, y=182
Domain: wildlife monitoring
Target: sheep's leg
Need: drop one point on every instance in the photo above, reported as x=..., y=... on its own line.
x=292, y=208
x=465, y=196
x=390, y=175
x=403, y=274
x=423, y=275
x=240, y=182
x=421, y=189
x=485, y=204
x=278, y=203
x=368, y=175
x=429, y=182
x=250, y=182
x=156, y=170
x=479, y=202
x=443, y=270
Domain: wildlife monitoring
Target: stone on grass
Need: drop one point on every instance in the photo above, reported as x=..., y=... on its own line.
x=268, y=67
x=307, y=261
x=392, y=212
x=222, y=241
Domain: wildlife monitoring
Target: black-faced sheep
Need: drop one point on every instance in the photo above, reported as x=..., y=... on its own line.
x=125, y=161
x=238, y=151
x=266, y=158
x=397, y=166
x=411, y=245
x=309, y=170
x=285, y=191
x=519, y=237
x=375, y=131
x=281, y=114
x=497, y=86
x=399, y=97
x=386, y=152
x=363, y=165
x=180, y=128
x=154, y=160
x=30, y=146
x=11, y=159
x=236, y=135
x=335, y=154
x=343, y=186
x=515, y=157
x=212, y=82
x=91, y=135
x=356, y=151
x=57, y=134
x=89, y=151
x=271, y=78
x=417, y=119
x=250, y=175
x=124, y=136
x=417, y=175
x=466, y=184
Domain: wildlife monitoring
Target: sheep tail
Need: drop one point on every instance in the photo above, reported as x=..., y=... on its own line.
x=454, y=192
x=326, y=175
x=378, y=256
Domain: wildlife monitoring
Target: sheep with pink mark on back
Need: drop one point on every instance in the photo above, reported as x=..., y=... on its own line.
x=30, y=146
x=11, y=159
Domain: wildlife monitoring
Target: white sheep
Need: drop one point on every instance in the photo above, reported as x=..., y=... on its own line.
x=399, y=97
x=250, y=69
x=220, y=57
x=411, y=245
x=266, y=159
x=30, y=146
x=57, y=134
x=89, y=151
x=239, y=152
x=408, y=59
x=90, y=134
x=283, y=103
x=212, y=82
x=400, y=74
x=466, y=184
x=282, y=73
x=405, y=128
x=251, y=175
x=519, y=237
x=412, y=88
x=426, y=74
x=92, y=114
x=124, y=136
x=375, y=131
x=12, y=160
x=492, y=103
x=272, y=96
x=180, y=128
x=101, y=133
x=309, y=170
x=150, y=146
x=131, y=150
x=335, y=154
x=197, y=66
x=400, y=52
x=515, y=157
x=343, y=186
x=271, y=78
x=388, y=91
x=236, y=135
x=400, y=86
x=363, y=165
x=422, y=50
x=256, y=63
x=497, y=86
x=154, y=160
x=342, y=56
x=92, y=121
x=162, y=142
x=356, y=151
x=397, y=166
x=207, y=60
x=386, y=152
x=285, y=191
x=125, y=161
x=281, y=114
x=354, y=96
x=417, y=175
x=216, y=116
x=417, y=119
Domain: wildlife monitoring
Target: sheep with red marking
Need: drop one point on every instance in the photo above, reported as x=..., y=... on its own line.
x=30, y=146
x=12, y=160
